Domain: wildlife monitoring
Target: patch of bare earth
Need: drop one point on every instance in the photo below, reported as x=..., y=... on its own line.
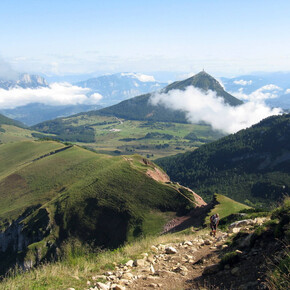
x=157, y=175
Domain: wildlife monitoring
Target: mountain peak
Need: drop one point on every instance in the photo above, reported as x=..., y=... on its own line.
x=205, y=82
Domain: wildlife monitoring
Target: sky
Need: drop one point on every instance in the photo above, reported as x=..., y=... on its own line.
x=225, y=37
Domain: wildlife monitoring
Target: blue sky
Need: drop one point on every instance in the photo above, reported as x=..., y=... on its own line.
x=225, y=37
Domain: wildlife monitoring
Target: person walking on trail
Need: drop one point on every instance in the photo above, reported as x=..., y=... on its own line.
x=214, y=221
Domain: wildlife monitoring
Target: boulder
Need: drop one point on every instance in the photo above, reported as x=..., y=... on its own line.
x=102, y=286
x=187, y=243
x=151, y=259
x=130, y=263
x=235, y=230
x=140, y=263
x=108, y=273
x=154, y=249
x=170, y=250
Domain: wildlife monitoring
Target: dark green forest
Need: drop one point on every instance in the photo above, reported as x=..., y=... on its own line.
x=251, y=166
x=64, y=131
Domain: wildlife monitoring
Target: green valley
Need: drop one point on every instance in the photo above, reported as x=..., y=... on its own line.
x=116, y=136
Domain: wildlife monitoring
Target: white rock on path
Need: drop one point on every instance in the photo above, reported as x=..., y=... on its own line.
x=140, y=263
x=130, y=263
x=170, y=250
x=187, y=243
x=102, y=286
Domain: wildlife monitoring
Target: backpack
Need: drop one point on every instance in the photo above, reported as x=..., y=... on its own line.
x=214, y=219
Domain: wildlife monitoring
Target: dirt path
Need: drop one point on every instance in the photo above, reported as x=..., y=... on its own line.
x=196, y=264
x=180, y=270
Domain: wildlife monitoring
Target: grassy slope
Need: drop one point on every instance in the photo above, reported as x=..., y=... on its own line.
x=75, y=172
x=15, y=155
x=225, y=207
x=79, y=194
x=11, y=133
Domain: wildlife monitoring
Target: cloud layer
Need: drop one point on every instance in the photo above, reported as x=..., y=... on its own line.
x=243, y=83
x=56, y=94
x=266, y=92
x=207, y=107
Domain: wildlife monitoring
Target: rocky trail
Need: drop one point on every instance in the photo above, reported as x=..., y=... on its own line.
x=195, y=264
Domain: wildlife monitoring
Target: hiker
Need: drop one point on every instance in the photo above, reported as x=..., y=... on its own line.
x=214, y=221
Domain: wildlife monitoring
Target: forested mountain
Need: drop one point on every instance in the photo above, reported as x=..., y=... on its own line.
x=252, y=165
x=140, y=108
x=206, y=82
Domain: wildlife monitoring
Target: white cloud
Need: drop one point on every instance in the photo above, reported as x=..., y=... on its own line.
x=243, y=83
x=56, y=94
x=287, y=91
x=141, y=77
x=266, y=92
x=207, y=107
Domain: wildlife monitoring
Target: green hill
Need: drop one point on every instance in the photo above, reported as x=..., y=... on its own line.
x=50, y=193
x=250, y=166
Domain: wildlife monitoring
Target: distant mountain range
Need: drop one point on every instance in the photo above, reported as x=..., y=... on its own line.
x=35, y=113
x=114, y=88
x=248, y=84
x=24, y=81
x=121, y=86
x=252, y=165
